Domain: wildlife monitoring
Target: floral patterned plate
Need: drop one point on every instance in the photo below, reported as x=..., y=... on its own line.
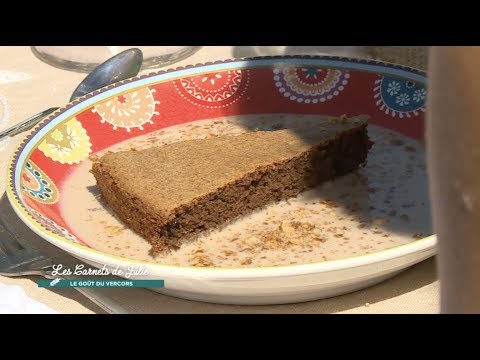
x=42, y=168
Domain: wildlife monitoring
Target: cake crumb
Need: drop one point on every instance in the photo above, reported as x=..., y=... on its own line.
x=113, y=229
x=328, y=203
x=247, y=261
x=287, y=228
x=201, y=260
x=380, y=221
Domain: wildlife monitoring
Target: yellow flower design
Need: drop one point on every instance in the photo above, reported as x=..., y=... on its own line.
x=57, y=135
x=68, y=143
x=73, y=139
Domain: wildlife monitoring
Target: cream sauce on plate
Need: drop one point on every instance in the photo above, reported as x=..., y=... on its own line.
x=380, y=206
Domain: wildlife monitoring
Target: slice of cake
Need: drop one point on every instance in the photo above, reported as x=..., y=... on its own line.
x=170, y=193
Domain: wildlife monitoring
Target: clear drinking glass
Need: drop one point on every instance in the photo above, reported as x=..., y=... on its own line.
x=86, y=58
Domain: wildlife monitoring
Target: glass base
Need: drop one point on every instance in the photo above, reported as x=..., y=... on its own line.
x=86, y=58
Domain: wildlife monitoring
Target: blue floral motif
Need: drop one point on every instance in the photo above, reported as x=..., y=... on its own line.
x=37, y=185
x=400, y=97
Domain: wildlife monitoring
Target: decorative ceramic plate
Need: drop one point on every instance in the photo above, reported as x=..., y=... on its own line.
x=345, y=235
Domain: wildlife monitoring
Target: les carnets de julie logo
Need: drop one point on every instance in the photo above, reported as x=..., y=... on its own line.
x=82, y=276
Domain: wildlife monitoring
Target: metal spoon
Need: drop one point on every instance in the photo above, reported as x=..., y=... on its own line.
x=119, y=67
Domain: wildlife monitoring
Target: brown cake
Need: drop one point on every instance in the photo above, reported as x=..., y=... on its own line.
x=170, y=193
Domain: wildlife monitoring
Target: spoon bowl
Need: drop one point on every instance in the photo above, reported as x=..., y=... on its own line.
x=120, y=67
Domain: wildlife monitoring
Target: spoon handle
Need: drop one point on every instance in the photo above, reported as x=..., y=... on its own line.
x=26, y=124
